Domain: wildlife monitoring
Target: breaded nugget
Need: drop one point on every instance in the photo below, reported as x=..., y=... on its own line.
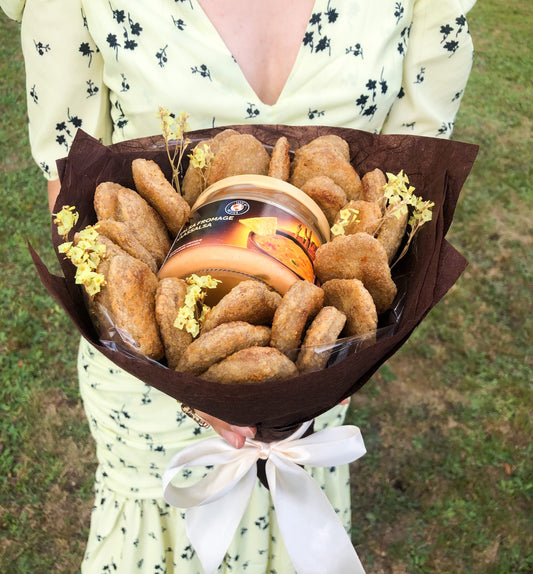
x=319, y=338
x=367, y=218
x=221, y=342
x=351, y=297
x=250, y=301
x=106, y=200
x=127, y=206
x=154, y=187
x=329, y=140
x=280, y=161
x=121, y=234
x=302, y=301
x=358, y=256
x=329, y=196
x=330, y=162
x=391, y=233
x=239, y=154
x=252, y=365
x=169, y=298
x=145, y=223
x=372, y=187
x=193, y=181
x=128, y=298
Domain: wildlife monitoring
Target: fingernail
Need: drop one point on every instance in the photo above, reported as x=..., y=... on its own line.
x=231, y=437
x=248, y=432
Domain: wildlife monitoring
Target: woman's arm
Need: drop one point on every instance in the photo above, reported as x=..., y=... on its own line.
x=435, y=71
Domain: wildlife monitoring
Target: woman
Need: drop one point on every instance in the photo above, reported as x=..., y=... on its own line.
x=106, y=66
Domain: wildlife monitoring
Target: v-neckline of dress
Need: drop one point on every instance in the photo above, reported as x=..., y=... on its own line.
x=295, y=64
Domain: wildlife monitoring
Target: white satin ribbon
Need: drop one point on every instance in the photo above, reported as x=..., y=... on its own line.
x=313, y=535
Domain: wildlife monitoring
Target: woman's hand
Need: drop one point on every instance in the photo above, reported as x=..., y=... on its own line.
x=236, y=436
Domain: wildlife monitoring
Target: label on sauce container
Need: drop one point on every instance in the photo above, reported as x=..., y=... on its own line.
x=244, y=236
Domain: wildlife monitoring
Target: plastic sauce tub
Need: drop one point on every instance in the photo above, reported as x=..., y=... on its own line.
x=249, y=226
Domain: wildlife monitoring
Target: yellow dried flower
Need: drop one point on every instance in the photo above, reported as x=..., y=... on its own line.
x=65, y=220
x=86, y=255
x=191, y=315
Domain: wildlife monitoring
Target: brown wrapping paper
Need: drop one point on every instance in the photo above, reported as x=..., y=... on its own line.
x=437, y=168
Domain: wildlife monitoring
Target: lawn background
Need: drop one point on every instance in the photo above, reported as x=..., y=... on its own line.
x=447, y=483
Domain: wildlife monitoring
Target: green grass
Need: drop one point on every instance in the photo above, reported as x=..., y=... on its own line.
x=446, y=485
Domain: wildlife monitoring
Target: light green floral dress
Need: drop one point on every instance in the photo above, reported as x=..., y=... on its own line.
x=105, y=66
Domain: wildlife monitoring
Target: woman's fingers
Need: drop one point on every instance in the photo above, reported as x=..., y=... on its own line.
x=234, y=435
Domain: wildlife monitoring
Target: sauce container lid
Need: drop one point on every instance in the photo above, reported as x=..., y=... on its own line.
x=269, y=183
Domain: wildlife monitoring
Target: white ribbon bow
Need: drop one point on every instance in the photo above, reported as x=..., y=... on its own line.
x=314, y=536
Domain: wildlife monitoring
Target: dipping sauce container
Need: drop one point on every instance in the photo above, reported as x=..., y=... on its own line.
x=249, y=226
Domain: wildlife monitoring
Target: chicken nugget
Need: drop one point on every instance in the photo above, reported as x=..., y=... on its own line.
x=154, y=187
x=250, y=301
x=319, y=339
x=329, y=196
x=358, y=256
x=373, y=183
x=280, y=161
x=221, y=342
x=330, y=162
x=302, y=301
x=115, y=202
x=366, y=219
x=127, y=301
x=351, y=297
x=145, y=222
x=329, y=140
x=252, y=365
x=194, y=180
x=239, y=154
x=120, y=234
x=106, y=200
x=169, y=298
x=391, y=233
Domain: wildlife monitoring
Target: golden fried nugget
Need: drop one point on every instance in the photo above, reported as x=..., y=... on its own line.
x=120, y=234
x=319, y=339
x=250, y=301
x=127, y=206
x=351, y=297
x=252, y=365
x=391, y=233
x=194, y=181
x=372, y=187
x=169, y=298
x=239, y=154
x=106, y=200
x=329, y=196
x=358, y=256
x=329, y=140
x=221, y=342
x=154, y=187
x=302, y=301
x=367, y=218
x=280, y=161
x=128, y=299
x=330, y=162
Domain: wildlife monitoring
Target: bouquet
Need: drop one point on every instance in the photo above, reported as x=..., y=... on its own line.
x=436, y=168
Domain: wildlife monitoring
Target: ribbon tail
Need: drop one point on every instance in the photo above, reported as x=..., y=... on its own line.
x=211, y=526
x=313, y=534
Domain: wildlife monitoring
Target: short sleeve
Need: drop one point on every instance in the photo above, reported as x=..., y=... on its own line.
x=13, y=8
x=64, y=80
x=436, y=70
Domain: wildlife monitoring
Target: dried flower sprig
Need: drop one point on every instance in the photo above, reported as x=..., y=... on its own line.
x=86, y=254
x=201, y=158
x=346, y=217
x=174, y=131
x=400, y=201
x=192, y=314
